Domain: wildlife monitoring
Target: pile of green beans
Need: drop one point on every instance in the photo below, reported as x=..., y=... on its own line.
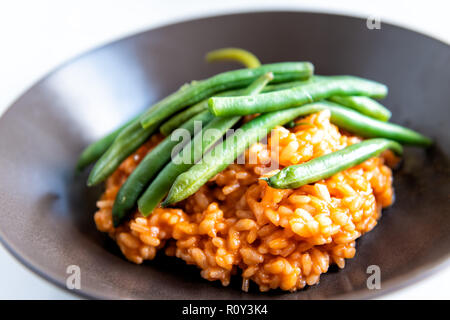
x=199, y=145
x=362, y=104
x=138, y=131
x=199, y=90
x=219, y=103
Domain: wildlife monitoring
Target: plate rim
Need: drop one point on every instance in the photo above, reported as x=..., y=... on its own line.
x=389, y=286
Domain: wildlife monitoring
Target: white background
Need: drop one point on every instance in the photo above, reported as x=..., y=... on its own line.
x=36, y=36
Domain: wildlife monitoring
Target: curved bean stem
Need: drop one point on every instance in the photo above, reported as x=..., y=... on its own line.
x=328, y=165
x=246, y=58
x=131, y=136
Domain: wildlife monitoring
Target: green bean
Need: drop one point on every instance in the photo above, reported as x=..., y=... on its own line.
x=179, y=118
x=244, y=57
x=129, y=139
x=94, y=151
x=226, y=152
x=364, y=105
x=199, y=90
x=365, y=126
x=283, y=99
x=194, y=151
x=153, y=162
x=326, y=166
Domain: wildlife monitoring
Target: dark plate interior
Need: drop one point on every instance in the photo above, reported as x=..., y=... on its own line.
x=46, y=218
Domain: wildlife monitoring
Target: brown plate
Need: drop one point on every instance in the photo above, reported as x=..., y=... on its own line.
x=47, y=212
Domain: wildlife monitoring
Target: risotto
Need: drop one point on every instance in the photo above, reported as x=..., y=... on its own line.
x=237, y=225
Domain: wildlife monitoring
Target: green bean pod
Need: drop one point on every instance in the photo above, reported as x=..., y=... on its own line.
x=129, y=139
x=242, y=56
x=365, y=126
x=328, y=165
x=323, y=88
x=192, y=153
x=95, y=150
x=199, y=90
x=364, y=105
x=152, y=163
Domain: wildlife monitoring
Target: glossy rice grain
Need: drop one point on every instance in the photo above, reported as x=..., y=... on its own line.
x=238, y=225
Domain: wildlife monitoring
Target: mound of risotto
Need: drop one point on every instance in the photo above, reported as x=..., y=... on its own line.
x=237, y=225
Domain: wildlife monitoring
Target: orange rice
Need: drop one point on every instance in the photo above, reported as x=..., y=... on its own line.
x=237, y=224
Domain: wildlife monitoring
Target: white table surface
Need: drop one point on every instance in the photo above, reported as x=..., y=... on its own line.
x=37, y=36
